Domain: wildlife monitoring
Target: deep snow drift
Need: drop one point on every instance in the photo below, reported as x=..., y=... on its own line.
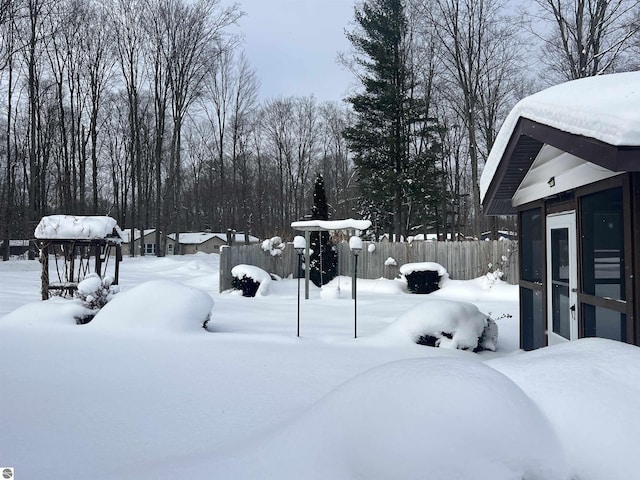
x=143, y=392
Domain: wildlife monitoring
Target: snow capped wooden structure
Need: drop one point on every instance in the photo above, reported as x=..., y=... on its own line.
x=349, y=225
x=567, y=162
x=80, y=246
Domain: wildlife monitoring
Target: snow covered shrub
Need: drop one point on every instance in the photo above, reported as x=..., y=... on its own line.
x=247, y=285
x=274, y=246
x=250, y=279
x=446, y=324
x=423, y=277
x=94, y=293
x=486, y=341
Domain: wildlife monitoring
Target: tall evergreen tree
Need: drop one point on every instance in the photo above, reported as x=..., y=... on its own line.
x=324, y=258
x=393, y=138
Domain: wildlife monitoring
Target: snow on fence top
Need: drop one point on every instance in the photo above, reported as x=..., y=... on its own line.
x=605, y=107
x=315, y=225
x=65, y=227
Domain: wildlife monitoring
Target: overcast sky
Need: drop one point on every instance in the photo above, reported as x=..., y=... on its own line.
x=293, y=45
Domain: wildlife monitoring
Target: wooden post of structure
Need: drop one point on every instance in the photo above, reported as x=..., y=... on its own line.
x=44, y=276
x=118, y=259
x=97, y=252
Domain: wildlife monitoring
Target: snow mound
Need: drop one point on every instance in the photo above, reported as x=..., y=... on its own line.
x=158, y=305
x=428, y=418
x=450, y=323
x=590, y=391
x=409, y=268
x=477, y=289
x=90, y=285
x=54, y=312
x=77, y=227
x=257, y=274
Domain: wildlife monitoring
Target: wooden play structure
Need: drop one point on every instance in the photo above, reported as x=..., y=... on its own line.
x=74, y=247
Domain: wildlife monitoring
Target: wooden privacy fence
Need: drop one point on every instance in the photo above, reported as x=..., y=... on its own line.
x=463, y=260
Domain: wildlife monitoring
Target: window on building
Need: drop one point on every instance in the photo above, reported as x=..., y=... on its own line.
x=150, y=248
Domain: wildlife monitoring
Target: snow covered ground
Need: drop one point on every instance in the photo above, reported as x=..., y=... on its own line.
x=143, y=392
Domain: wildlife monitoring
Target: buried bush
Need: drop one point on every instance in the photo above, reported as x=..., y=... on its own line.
x=93, y=293
x=250, y=280
x=247, y=285
x=423, y=277
x=446, y=324
x=425, y=281
x=486, y=341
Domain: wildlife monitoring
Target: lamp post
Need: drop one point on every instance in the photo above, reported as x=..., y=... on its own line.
x=299, y=243
x=355, y=244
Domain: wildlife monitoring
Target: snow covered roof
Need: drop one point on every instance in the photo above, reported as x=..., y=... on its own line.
x=126, y=234
x=599, y=111
x=65, y=227
x=315, y=225
x=198, y=238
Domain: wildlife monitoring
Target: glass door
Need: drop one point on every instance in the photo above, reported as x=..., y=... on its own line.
x=562, y=275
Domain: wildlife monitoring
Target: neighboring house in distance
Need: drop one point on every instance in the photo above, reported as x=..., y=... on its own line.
x=567, y=162
x=18, y=248
x=149, y=242
x=502, y=235
x=208, y=242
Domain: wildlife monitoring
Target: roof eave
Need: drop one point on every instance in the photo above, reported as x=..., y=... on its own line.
x=525, y=143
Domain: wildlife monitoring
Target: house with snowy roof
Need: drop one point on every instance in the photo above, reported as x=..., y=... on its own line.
x=210, y=242
x=567, y=163
x=148, y=239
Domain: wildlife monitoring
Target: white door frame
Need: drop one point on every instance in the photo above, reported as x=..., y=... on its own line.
x=559, y=221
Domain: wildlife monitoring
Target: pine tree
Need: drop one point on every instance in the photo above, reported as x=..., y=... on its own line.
x=324, y=258
x=393, y=140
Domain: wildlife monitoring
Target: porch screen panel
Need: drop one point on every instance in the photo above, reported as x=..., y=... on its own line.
x=604, y=323
x=603, y=244
x=531, y=245
x=603, y=264
x=532, y=319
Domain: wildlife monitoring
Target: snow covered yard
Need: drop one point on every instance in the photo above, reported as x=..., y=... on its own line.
x=249, y=399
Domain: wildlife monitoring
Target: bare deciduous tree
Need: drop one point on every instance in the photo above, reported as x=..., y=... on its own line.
x=582, y=38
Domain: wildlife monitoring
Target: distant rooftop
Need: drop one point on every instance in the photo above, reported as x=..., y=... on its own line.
x=197, y=238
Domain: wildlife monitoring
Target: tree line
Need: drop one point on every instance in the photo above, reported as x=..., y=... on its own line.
x=149, y=111
x=438, y=78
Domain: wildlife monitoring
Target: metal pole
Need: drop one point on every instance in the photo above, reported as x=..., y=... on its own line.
x=355, y=299
x=299, y=267
x=307, y=239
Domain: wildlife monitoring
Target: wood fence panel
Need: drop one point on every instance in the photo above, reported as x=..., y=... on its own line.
x=463, y=260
